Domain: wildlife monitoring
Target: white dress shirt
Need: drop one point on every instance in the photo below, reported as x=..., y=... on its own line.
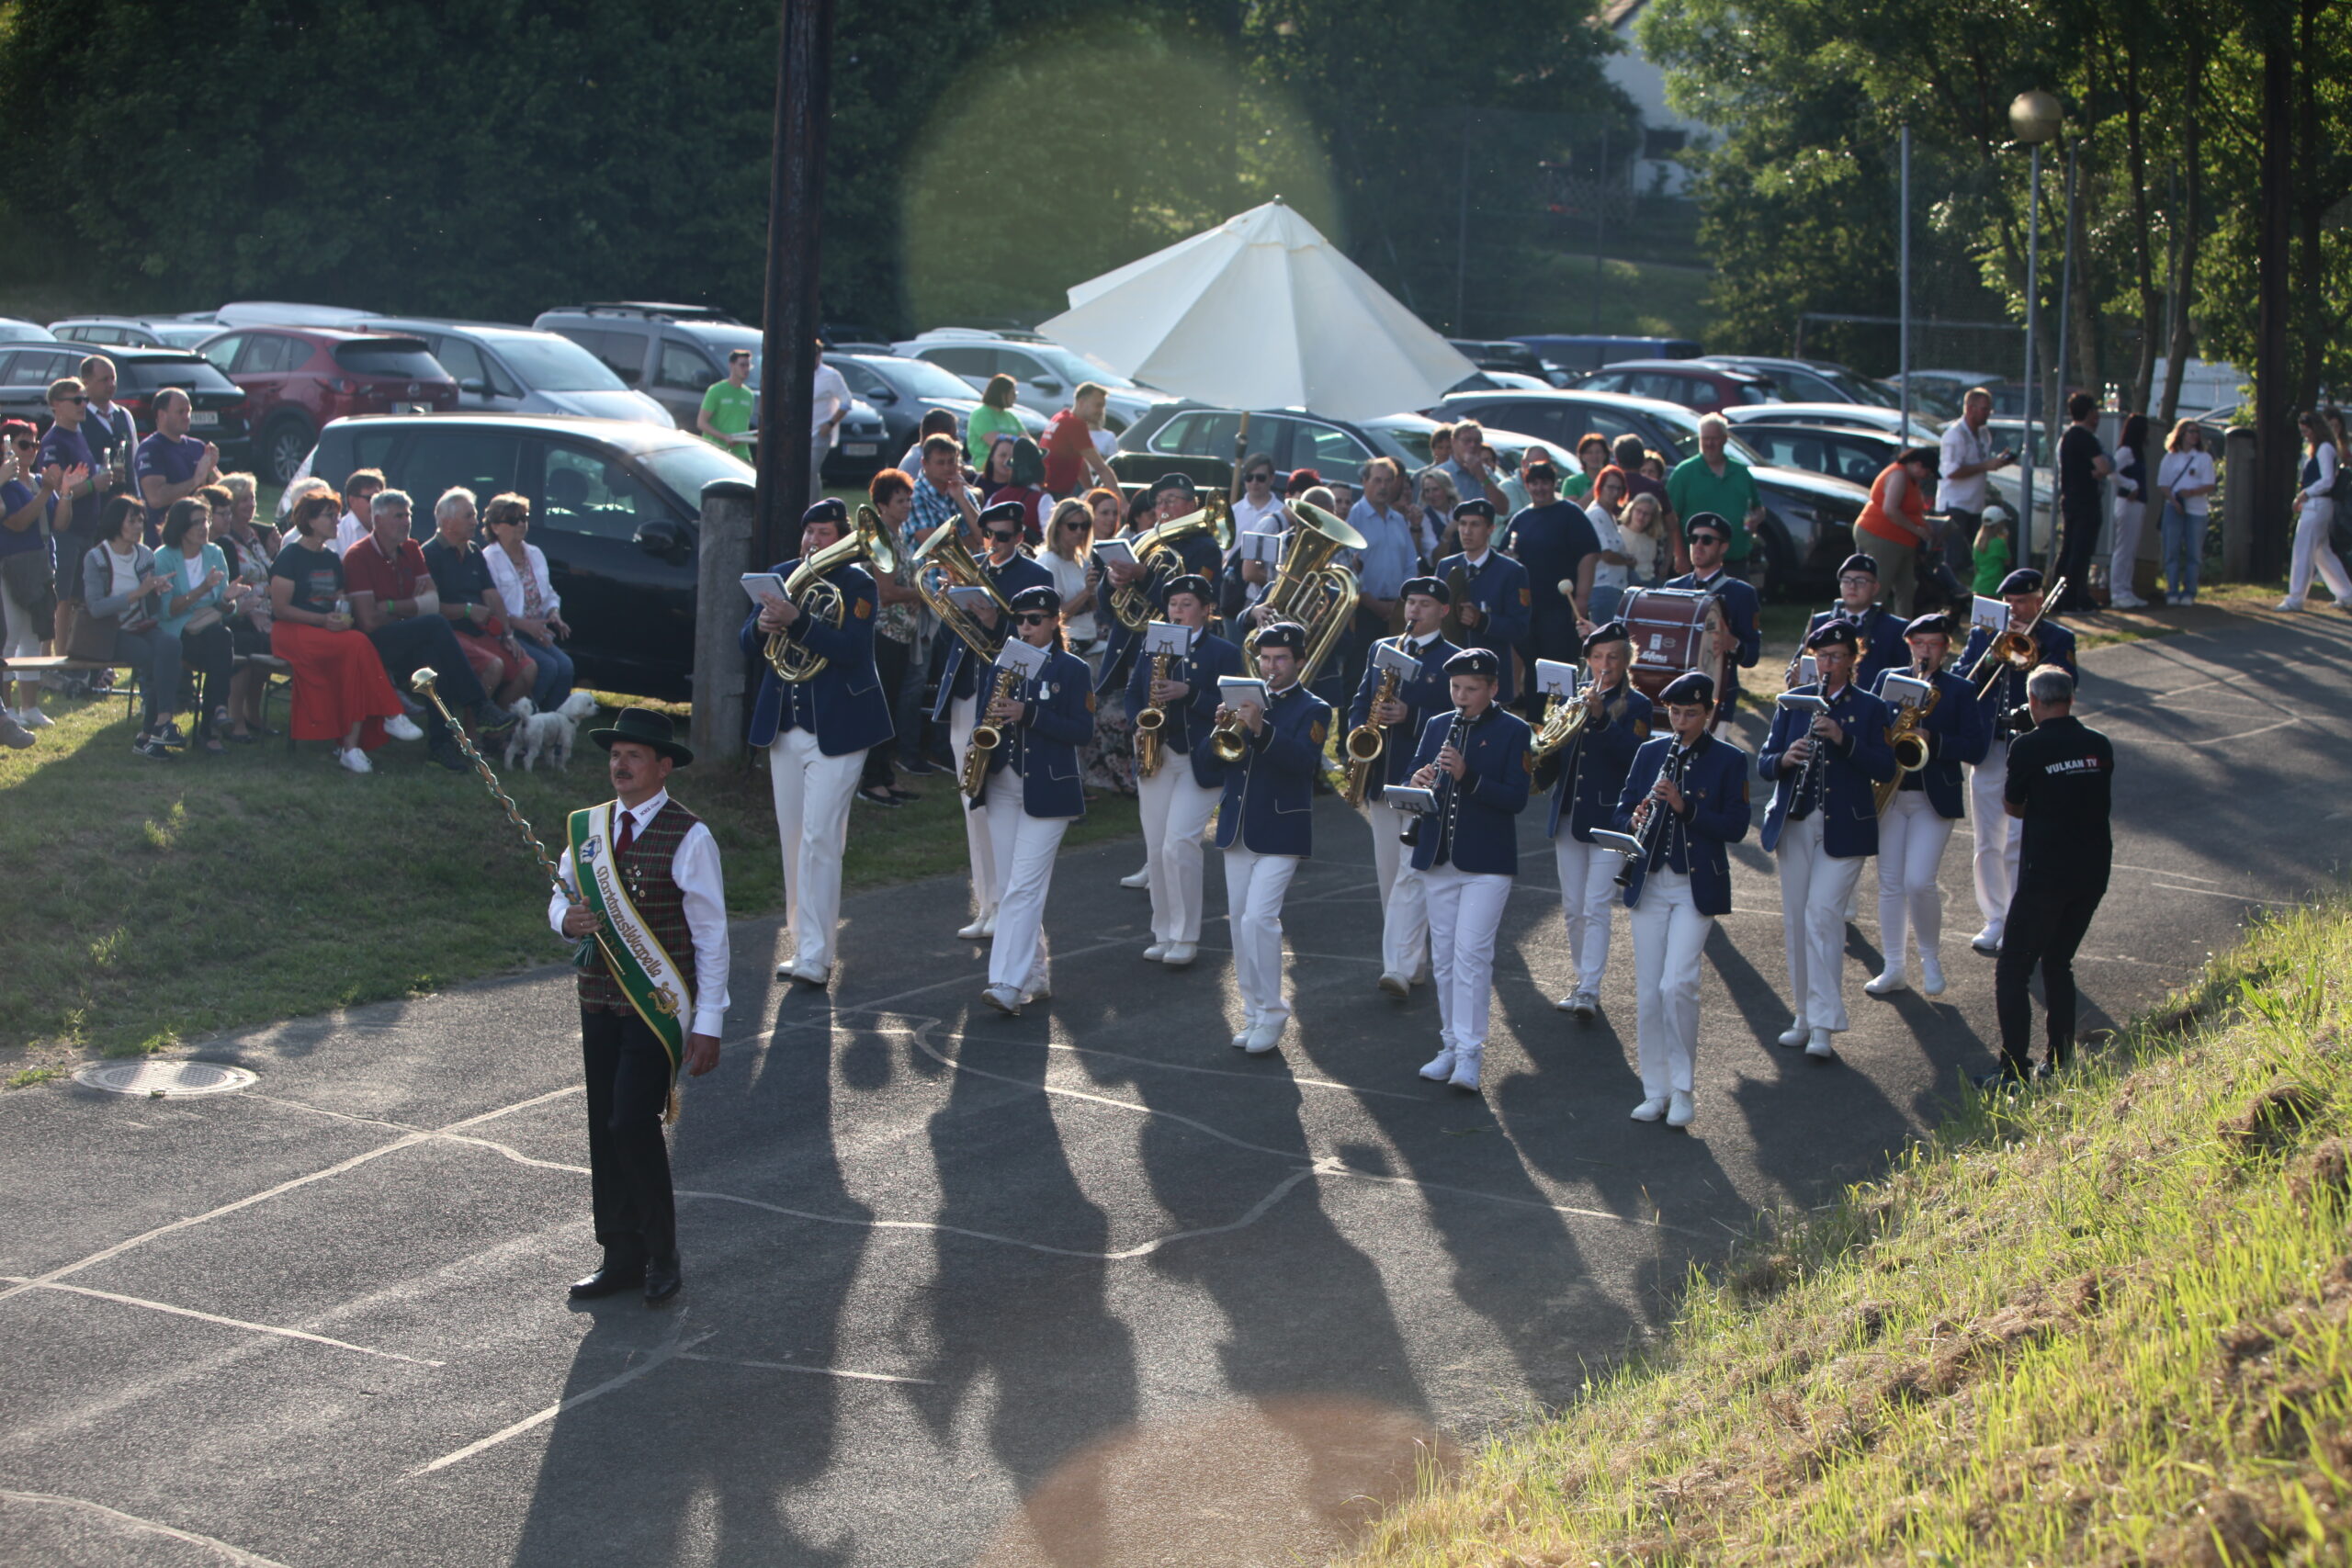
x=348, y=533
x=1962, y=446
x=695, y=868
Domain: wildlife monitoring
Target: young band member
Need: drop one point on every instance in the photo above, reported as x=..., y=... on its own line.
x=1178, y=799
x=1467, y=851
x=1995, y=858
x=1917, y=824
x=816, y=733
x=1496, y=602
x=1741, y=642
x=959, y=682
x=1036, y=791
x=652, y=990
x=1404, y=904
x=1265, y=824
x=1821, y=826
x=1586, y=777
x=1881, y=631
x=1677, y=888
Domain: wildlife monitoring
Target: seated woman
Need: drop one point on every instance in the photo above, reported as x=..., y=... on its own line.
x=193, y=611
x=519, y=569
x=341, y=692
x=469, y=601
x=119, y=591
x=248, y=547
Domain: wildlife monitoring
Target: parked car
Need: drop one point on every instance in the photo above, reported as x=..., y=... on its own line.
x=1809, y=528
x=1046, y=373
x=297, y=379
x=1576, y=352
x=289, y=313
x=14, y=331
x=1807, y=380
x=27, y=367
x=673, y=353
x=902, y=390
x=216, y=406
x=1504, y=354
x=133, y=331
x=1198, y=439
x=508, y=369
x=1696, y=384
x=1855, y=416
x=1498, y=380
x=615, y=504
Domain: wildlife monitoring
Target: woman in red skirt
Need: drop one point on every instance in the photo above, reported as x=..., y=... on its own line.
x=341, y=692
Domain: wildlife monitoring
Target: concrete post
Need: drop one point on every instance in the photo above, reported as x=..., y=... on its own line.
x=2241, y=499
x=730, y=519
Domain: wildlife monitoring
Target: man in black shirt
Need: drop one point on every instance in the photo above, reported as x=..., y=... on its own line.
x=1554, y=540
x=2082, y=463
x=2060, y=786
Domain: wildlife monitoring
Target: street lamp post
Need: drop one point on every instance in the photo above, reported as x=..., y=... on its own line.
x=2034, y=119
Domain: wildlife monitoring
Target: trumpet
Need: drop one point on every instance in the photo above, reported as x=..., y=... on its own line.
x=986, y=737
x=813, y=596
x=946, y=550
x=1366, y=742
x=1152, y=720
x=2018, y=646
x=1155, y=547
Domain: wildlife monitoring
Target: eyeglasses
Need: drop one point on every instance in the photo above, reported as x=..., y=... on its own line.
x=71, y=398
x=1076, y=522
x=1033, y=617
x=1258, y=478
x=1004, y=538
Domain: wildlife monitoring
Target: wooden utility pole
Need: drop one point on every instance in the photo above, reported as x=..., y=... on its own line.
x=790, y=310
x=2274, y=419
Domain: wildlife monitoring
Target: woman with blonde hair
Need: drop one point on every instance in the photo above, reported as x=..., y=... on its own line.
x=2315, y=505
x=1068, y=554
x=2187, y=478
x=993, y=418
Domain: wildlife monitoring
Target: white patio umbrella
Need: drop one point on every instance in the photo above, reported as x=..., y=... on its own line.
x=1261, y=312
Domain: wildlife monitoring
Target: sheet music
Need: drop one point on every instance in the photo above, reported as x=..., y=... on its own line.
x=1992, y=615
x=1808, y=671
x=1117, y=552
x=1266, y=548
x=1405, y=798
x=1235, y=690
x=1166, y=636
x=759, y=583
x=971, y=597
x=1018, y=656
x=1388, y=655
x=1556, y=677
x=1904, y=691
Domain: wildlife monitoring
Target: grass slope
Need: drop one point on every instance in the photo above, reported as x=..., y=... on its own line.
x=2103, y=1322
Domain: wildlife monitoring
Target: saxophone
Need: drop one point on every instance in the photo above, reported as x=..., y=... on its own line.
x=1149, y=742
x=986, y=737
x=1365, y=743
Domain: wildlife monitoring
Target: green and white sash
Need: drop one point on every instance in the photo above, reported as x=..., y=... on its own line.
x=647, y=976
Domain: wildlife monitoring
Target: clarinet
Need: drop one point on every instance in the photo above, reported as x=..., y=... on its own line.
x=1448, y=805
x=1651, y=828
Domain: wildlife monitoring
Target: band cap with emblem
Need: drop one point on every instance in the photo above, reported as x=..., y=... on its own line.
x=1693, y=688
x=1002, y=512
x=2025, y=579
x=1713, y=521
x=828, y=509
x=1475, y=661
x=1481, y=510
x=1866, y=565
x=1167, y=483
x=1283, y=634
x=645, y=727
x=1034, y=598
x=1433, y=587
x=1835, y=634
x=1190, y=582
x=1607, y=631
x=1936, y=623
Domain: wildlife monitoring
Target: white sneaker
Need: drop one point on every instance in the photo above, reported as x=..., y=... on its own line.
x=1138, y=879
x=400, y=726
x=1650, y=1109
x=974, y=931
x=988, y=926
x=1987, y=941
x=33, y=718
x=1584, y=1006
x=1440, y=1067
x=2126, y=601
x=1004, y=999
x=809, y=975
x=1679, y=1110
x=355, y=760
x=2288, y=604
x=1241, y=1039
x=1465, y=1067
x=1180, y=954
x=1393, y=984
x=1039, y=991
x=1264, y=1038
x=1155, y=953
x=1567, y=1003
x=1817, y=1045
x=1931, y=975
x=1794, y=1035
x=1886, y=983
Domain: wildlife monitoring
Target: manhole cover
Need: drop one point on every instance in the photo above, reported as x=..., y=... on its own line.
x=168, y=1080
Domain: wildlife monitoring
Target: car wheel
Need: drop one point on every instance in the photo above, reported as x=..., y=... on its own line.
x=285, y=442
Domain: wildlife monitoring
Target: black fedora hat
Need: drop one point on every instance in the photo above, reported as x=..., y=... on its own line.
x=647, y=729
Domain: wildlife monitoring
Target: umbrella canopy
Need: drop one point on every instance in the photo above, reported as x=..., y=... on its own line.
x=1261, y=312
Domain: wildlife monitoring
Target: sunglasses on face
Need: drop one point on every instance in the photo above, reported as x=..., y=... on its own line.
x=77, y=398
x=1003, y=538
x=1033, y=617
x=1261, y=478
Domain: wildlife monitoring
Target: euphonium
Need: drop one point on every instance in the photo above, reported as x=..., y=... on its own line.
x=1152, y=720
x=1155, y=547
x=807, y=588
x=1366, y=741
x=945, y=549
x=986, y=737
x=1310, y=589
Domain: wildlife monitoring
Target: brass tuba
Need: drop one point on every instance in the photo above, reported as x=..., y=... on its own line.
x=945, y=551
x=1155, y=547
x=870, y=541
x=1311, y=589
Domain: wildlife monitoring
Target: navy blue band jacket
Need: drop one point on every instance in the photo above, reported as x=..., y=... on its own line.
x=843, y=704
x=1693, y=841
x=1956, y=730
x=1884, y=646
x=1425, y=693
x=1269, y=805
x=959, y=677
x=2056, y=646
x=1476, y=826
x=1585, y=786
x=1042, y=745
x=1186, y=734
x=1839, y=783
x=1497, y=586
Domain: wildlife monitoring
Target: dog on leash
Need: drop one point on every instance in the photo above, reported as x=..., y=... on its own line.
x=546, y=734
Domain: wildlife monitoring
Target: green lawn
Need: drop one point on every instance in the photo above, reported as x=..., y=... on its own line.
x=159, y=901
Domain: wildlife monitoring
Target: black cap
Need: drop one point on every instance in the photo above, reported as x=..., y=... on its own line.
x=1284, y=634
x=1037, y=597
x=1190, y=582
x=1607, y=631
x=1835, y=632
x=2025, y=579
x=828, y=509
x=1475, y=661
x=1921, y=625
x=1859, y=562
x=1175, y=482
x=1002, y=512
x=1481, y=509
x=1699, y=520
x=1689, y=689
x=647, y=728
x=1433, y=586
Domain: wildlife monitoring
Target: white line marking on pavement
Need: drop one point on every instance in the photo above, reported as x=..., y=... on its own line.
x=228, y=1553
x=797, y=1367
x=2158, y=870
x=456, y=1456
x=2217, y=893
x=224, y=1322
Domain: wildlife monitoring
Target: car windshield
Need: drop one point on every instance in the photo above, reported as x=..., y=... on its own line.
x=393, y=357
x=690, y=464
x=153, y=375
x=546, y=363
x=921, y=378
x=185, y=336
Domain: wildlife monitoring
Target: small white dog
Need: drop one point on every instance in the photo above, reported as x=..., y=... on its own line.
x=546, y=734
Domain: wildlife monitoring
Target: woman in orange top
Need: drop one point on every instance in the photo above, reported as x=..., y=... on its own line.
x=1896, y=519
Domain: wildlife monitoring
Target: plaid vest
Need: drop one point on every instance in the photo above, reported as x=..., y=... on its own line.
x=660, y=903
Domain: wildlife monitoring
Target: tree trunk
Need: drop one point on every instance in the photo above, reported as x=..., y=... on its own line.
x=2190, y=218
x=2081, y=300
x=2136, y=163
x=2274, y=419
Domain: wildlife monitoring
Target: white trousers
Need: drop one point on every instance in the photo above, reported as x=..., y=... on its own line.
x=1589, y=897
x=1998, y=843
x=2311, y=550
x=1466, y=910
x=961, y=717
x=1176, y=812
x=1669, y=936
x=1403, y=898
x=1815, y=889
x=811, y=792
x=1022, y=848
x=1911, y=839
x=2123, y=560
x=1255, y=886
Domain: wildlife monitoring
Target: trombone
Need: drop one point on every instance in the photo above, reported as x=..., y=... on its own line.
x=2017, y=647
x=791, y=658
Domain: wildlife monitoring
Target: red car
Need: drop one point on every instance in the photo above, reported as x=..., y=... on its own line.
x=297, y=378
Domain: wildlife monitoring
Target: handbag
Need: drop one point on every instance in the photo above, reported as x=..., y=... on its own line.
x=30, y=583
x=93, y=639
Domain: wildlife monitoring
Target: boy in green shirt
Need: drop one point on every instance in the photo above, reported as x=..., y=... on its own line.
x=727, y=408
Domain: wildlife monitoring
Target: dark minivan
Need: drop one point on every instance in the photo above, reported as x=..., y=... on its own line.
x=614, y=505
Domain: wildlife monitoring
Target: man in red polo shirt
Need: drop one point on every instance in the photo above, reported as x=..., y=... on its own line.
x=393, y=600
x=1071, y=456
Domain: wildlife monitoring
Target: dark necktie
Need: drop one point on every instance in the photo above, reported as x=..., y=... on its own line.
x=626, y=837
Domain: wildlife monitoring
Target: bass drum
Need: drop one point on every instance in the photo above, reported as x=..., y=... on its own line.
x=1671, y=631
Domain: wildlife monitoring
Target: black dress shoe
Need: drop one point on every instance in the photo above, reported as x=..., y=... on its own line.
x=661, y=1279
x=609, y=1281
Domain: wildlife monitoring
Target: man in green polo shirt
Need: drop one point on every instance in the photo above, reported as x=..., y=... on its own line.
x=1715, y=481
x=727, y=408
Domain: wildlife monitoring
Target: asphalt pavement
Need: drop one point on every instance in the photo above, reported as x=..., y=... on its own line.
x=1087, y=1287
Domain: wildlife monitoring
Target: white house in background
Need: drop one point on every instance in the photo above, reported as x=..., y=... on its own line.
x=1664, y=132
